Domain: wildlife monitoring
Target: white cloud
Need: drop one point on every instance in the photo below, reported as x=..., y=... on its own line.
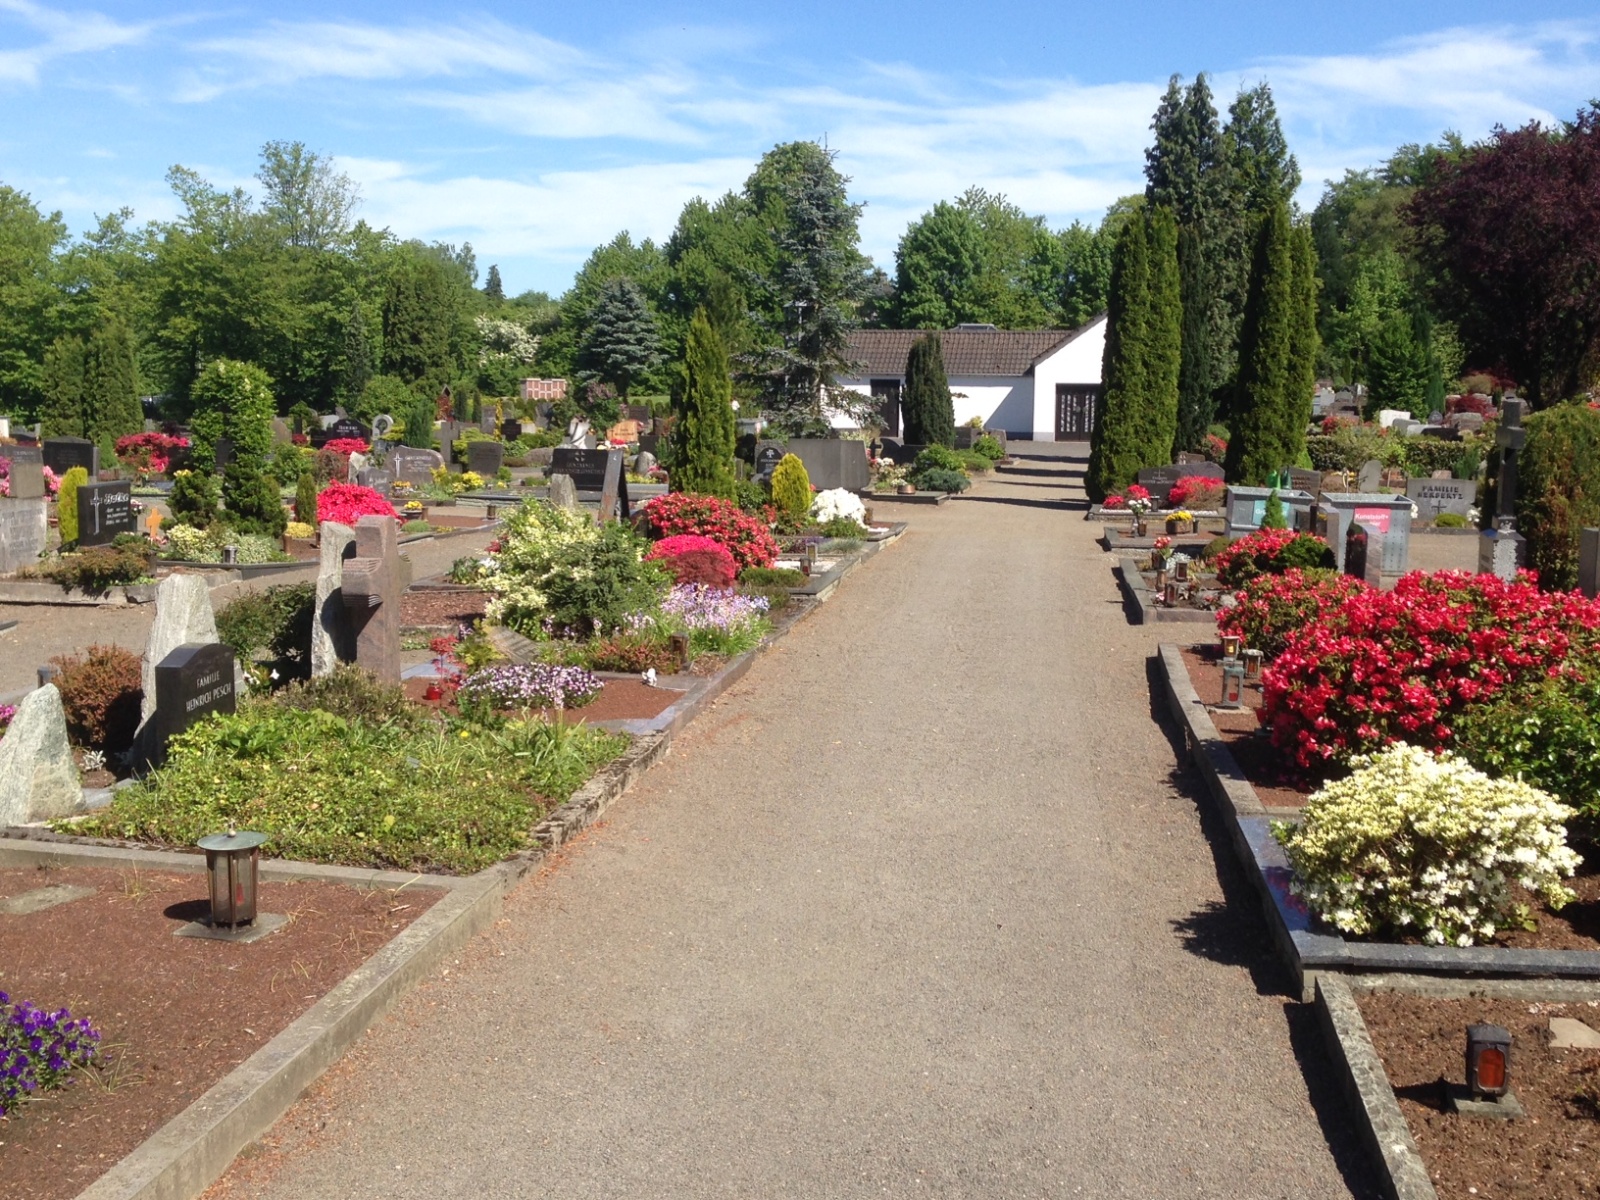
x=63, y=34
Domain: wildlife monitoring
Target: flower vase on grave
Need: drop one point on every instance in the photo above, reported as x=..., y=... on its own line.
x=1141, y=527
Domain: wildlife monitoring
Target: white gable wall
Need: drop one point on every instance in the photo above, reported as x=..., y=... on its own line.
x=1077, y=362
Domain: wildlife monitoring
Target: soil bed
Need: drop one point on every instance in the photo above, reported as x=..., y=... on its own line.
x=1553, y=1153
x=619, y=700
x=175, y=1014
x=1575, y=927
x=441, y=607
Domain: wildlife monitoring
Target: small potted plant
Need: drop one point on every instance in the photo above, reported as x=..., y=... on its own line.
x=1181, y=521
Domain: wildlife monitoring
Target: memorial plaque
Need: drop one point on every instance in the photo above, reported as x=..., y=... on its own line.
x=1302, y=480
x=1435, y=496
x=27, y=471
x=586, y=468
x=104, y=510
x=486, y=458
x=62, y=454
x=194, y=680
x=768, y=456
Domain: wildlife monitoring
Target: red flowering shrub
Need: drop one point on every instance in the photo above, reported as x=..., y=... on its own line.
x=1196, y=491
x=1470, y=402
x=1133, y=492
x=150, y=453
x=1214, y=448
x=1270, y=552
x=1271, y=607
x=346, y=446
x=347, y=503
x=695, y=559
x=1380, y=667
x=329, y=466
x=749, y=541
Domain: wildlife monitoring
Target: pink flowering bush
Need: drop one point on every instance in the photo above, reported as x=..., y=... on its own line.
x=1269, y=552
x=1196, y=491
x=150, y=453
x=1135, y=498
x=695, y=559
x=1380, y=667
x=347, y=503
x=1271, y=607
x=746, y=538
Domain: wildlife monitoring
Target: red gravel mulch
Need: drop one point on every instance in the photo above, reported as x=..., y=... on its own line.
x=619, y=700
x=175, y=1014
x=441, y=606
x=1552, y=1154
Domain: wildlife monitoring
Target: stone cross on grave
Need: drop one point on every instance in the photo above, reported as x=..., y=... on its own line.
x=372, y=584
x=1502, y=549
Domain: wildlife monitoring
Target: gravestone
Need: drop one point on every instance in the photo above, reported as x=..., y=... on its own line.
x=1435, y=496
x=486, y=458
x=27, y=471
x=62, y=454
x=510, y=431
x=376, y=478
x=414, y=466
x=449, y=434
x=337, y=429
x=644, y=463
x=578, y=435
x=1363, y=554
x=1589, y=562
x=595, y=471
x=833, y=462
x=38, y=776
x=768, y=456
x=1370, y=477
x=332, y=640
x=1502, y=550
x=183, y=616
x=382, y=427
x=105, y=510
x=486, y=421
x=1159, y=480
x=197, y=678
x=281, y=433
x=1385, y=515
x=1302, y=480
x=563, y=492
x=24, y=532
x=370, y=586
x=1467, y=422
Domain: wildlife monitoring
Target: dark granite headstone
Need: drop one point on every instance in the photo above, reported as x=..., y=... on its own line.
x=1363, y=553
x=62, y=454
x=104, y=510
x=511, y=430
x=342, y=427
x=1589, y=562
x=414, y=466
x=768, y=456
x=1159, y=480
x=192, y=681
x=1302, y=480
x=486, y=458
x=833, y=462
x=595, y=471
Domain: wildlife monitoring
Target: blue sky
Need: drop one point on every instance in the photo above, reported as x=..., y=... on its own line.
x=536, y=131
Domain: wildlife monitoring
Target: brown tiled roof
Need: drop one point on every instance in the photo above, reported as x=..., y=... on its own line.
x=967, y=352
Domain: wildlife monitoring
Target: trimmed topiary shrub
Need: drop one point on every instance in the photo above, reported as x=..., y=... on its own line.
x=67, y=504
x=1272, y=516
x=791, y=487
x=1558, y=489
x=305, y=499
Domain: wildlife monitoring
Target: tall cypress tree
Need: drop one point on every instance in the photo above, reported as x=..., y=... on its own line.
x=703, y=435
x=1163, y=340
x=357, y=372
x=926, y=407
x=1196, y=405
x=493, y=290
x=111, y=383
x=1306, y=349
x=61, y=415
x=1114, y=448
x=1260, y=442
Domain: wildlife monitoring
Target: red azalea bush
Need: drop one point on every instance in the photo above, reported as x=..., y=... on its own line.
x=1133, y=491
x=347, y=503
x=1214, y=448
x=1470, y=402
x=346, y=445
x=1381, y=667
x=1271, y=607
x=1270, y=552
x=1196, y=491
x=749, y=541
x=150, y=453
x=695, y=559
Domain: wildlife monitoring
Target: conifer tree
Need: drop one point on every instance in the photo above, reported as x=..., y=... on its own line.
x=62, y=412
x=493, y=290
x=1306, y=349
x=357, y=372
x=623, y=343
x=703, y=436
x=235, y=400
x=1164, y=338
x=111, y=384
x=926, y=407
x=1261, y=439
x=1114, y=445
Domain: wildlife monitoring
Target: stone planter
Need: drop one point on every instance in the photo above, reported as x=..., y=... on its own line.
x=1176, y=526
x=297, y=546
x=907, y=489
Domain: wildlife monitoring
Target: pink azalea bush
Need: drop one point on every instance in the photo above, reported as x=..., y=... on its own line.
x=347, y=503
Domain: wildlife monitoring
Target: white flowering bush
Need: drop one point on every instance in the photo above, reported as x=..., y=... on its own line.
x=505, y=341
x=1417, y=843
x=838, y=502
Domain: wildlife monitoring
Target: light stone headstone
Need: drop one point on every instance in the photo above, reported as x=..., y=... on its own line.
x=1370, y=477
x=282, y=435
x=38, y=777
x=183, y=615
x=24, y=532
x=358, y=463
x=27, y=471
x=414, y=466
x=332, y=639
x=563, y=491
x=1435, y=496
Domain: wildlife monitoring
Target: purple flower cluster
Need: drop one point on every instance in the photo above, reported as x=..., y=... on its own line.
x=698, y=606
x=536, y=685
x=7, y=712
x=38, y=1049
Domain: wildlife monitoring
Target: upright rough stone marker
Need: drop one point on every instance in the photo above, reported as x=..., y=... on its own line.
x=371, y=587
x=183, y=615
x=332, y=641
x=38, y=778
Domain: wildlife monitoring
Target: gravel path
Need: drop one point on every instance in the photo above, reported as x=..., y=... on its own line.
x=46, y=630
x=921, y=907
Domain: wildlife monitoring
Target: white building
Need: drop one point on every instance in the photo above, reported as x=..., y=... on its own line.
x=1036, y=384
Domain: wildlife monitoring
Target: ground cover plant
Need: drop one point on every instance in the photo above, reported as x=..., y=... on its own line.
x=186, y=543
x=1413, y=843
x=716, y=620
x=97, y=568
x=345, y=770
x=39, y=1050
x=521, y=686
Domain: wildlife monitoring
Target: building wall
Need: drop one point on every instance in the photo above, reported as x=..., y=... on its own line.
x=1003, y=401
x=1077, y=362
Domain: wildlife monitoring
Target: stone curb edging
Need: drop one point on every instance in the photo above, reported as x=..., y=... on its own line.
x=26, y=591
x=194, y=1148
x=1383, y=1127
x=1306, y=948
x=1118, y=542
x=1138, y=594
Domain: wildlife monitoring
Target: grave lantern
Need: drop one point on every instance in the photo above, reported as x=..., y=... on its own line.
x=1231, y=642
x=1170, y=594
x=230, y=555
x=1488, y=1060
x=1180, y=568
x=492, y=512
x=1253, y=662
x=680, y=650
x=233, y=862
x=1161, y=577
x=1232, y=684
